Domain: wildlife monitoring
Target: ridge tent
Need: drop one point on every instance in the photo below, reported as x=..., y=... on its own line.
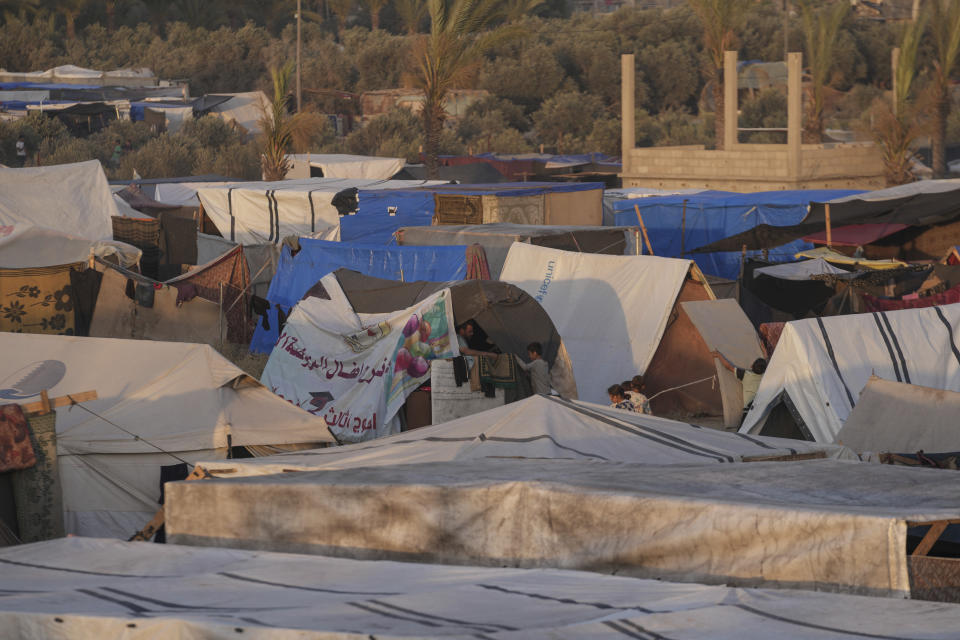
x=540, y=427
x=821, y=365
x=537, y=203
x=341, y=165
x=497, y=237
x=184, y=399
x=256, y=212
x=316, y=258
x=72, y=586
x=708, y=216
x=898, y=417
x=74, y=199
x=612, y=311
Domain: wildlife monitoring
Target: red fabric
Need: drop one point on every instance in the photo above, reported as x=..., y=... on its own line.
x=770, y=336
x=16, y=451
x=232, y=272
x=949, y=296
x=477, y=267
x=856, y=235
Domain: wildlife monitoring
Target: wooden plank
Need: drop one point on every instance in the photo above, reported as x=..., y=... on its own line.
x=829, y=231
x=936, y=530
x=60, y=401
x=643, y=228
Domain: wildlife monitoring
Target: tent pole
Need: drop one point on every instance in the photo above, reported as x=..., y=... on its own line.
x=683, y=228
x=637, y=247
x=643, y=228
x=220, y=318
x=829, y=235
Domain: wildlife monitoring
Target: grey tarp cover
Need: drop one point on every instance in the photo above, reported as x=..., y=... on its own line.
x=903, y=418
x=496, y=238
x=511, y=318
x=823, y=524
x=538, y=427
x=88, y=589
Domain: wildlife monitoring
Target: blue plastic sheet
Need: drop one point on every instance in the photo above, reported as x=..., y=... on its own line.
x=373, y=223
x=714, y=215
x=316, y=258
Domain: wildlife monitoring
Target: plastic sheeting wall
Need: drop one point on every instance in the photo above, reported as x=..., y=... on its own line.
x=296, y=274
x=714, y=215
x=373, y=222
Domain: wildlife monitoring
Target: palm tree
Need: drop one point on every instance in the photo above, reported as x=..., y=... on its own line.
x=720, y=20
x=448, y=56
x=341, y=10
x=411, y=14
x=945, y=32
x=282, y=131
x=821, y=27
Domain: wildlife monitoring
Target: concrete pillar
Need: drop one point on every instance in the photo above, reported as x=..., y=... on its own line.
x=730, y=99
x=628, y=133
x=36, y=490
x=794, y=114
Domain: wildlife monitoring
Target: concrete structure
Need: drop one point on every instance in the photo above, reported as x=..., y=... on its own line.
x=747, y=167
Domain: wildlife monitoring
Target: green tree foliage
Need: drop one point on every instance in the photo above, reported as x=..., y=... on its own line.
x=821, y=27
x=945, y=31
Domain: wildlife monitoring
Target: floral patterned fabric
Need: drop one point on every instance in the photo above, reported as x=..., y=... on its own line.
x=16, y=450
x=37, y=300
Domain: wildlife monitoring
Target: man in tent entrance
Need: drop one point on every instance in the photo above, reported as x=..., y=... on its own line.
x=749, y=378
x=464, y=333
x=538, y=368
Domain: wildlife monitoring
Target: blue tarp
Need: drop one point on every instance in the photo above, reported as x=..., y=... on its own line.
x=137, y=108
x=46, y=86
x=714, y=215
x=316, y=258
x=373, y=223
x=513, y=188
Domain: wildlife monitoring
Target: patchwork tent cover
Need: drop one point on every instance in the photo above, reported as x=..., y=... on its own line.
x=316, y=258
x=540, y=427
x=341, y=165
x=90, y=589
x=497, y=237
x=902, y=418
x=822, y=364
x=181, y=398
x=255, y=212
x=610, y=310
x=715, y=215
x=817, y=524
x=70, y=198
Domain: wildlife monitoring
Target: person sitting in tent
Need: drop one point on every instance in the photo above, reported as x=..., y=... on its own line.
x=538, y=369
x=618, y=399
x=637, y=397
x=749, y=378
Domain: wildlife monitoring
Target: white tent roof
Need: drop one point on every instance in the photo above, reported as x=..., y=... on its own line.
x=822, y=364
x=28, y=247
x=260, y=212
x=801, y=270
x=903, y=418
x=341, y=165
x=244, y=109
x=610, y=310
x=152, y=397
x=831, y=524
x=92, y=589
x=70, y=198
x=538, y=427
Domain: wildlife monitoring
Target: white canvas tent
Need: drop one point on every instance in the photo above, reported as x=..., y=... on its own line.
x=74, y=199
x=538, y=427
x=257, y=212
x=29, y=247
x=244, y=109
x=180, y=398
x=341, y=165
x=902, y=418
x=88, y=589
x=821, y=365
x=821, y=524
x=610, y=310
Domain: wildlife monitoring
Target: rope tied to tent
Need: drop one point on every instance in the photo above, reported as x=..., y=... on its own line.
x=135, y=436
x=713, y=382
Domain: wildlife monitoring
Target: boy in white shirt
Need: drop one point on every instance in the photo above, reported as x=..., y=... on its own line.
x=538, y=368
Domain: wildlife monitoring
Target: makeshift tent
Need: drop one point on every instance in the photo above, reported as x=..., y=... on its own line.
x=90, y=589
x=565, y=203
x=684, y=378
x=821, y=365
x=69, y=198
x=611, y=196
x=473, y=173
x=825, y=524
x=538, y=427
x=902, y=418
x=27, y=247
x=801, y=270
x=678, y=224
x=256, y=212
x=316, y=258
x=496, y=239
x=244, y=110
x=341, y=165
x=159, y=403
x=381, y=212
x=610, y=310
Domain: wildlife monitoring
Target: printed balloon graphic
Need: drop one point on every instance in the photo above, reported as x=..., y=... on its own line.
x=411, y=327
x=403, y=359
x=418, y=367
x=30, y=380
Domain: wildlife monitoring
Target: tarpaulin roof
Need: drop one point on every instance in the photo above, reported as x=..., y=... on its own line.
x=801, y=270
x=836, y=524
x=90, y=589
x=375, y=224
x=341, y=165
x=822, y=364
x=706, y=217
x=855, y=235
x=316, y=258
